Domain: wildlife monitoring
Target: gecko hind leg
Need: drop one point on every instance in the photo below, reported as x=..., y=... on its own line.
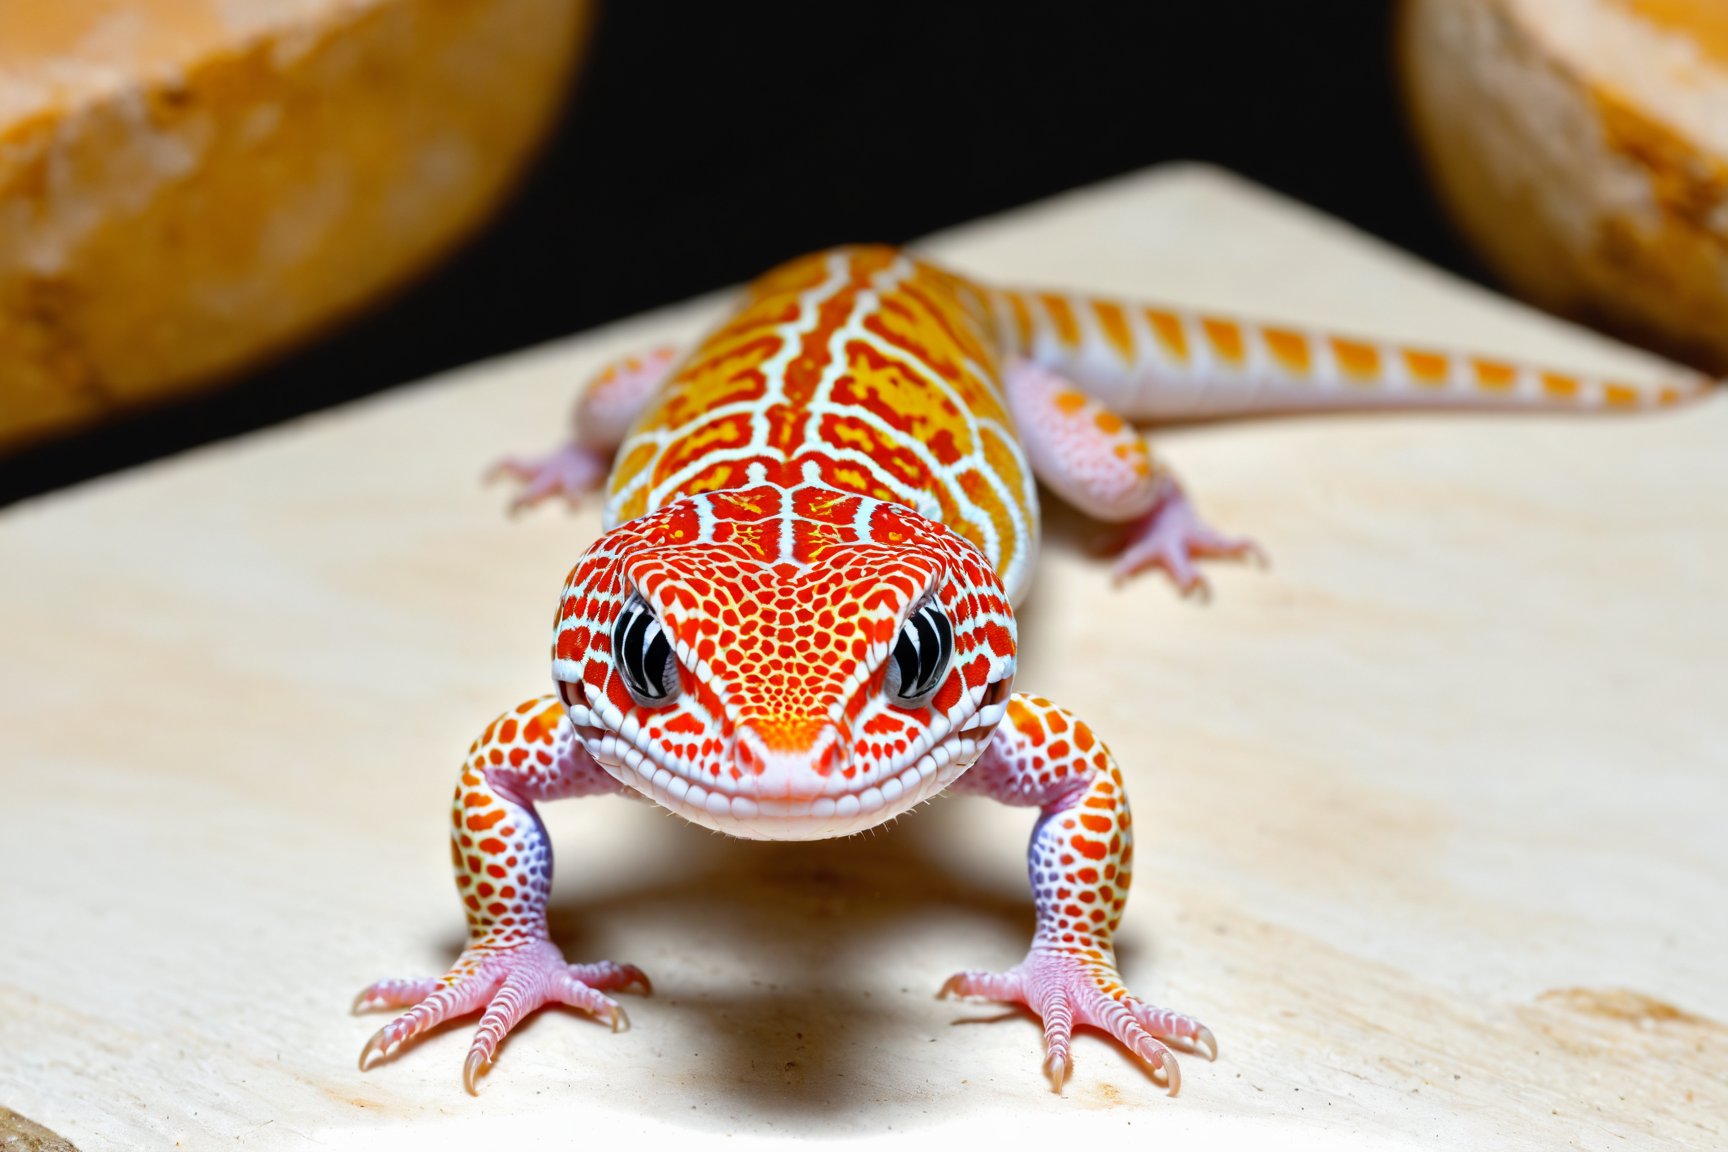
x=1172, y=536
x=1097, y=462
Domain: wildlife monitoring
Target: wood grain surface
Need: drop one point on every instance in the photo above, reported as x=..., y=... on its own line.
x=1432, y=812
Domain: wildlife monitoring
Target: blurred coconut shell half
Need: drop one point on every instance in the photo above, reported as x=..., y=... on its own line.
x=1582, y=147
x=190, y=186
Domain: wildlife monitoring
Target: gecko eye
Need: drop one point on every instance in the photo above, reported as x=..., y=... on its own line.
x=921, y=655
x=643, y=655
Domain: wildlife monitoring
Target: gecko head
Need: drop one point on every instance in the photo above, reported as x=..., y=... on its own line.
x=784, y=665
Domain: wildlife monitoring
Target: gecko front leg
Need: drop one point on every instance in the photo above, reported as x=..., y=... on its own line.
x=1080, y=859
x=605, y=408
x=503, y=864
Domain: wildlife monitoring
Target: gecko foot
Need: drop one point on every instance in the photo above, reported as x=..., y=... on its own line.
x=508, y=981
x=572, y=471
x=1172, y=537
x=1069, y=987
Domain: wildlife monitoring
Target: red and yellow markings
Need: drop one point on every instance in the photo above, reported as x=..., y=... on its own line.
x=896, y=410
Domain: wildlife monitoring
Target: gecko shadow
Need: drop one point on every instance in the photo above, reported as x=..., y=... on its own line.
x=767, y=958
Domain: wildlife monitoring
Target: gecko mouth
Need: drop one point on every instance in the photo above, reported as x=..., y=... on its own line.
x=787, y=817
x=790, y=808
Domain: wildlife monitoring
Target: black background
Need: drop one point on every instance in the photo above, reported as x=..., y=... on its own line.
x=706, y=141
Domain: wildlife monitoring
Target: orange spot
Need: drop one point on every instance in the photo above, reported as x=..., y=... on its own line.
x=1068, y=401
x=1289, y=349
x=1108, y=422
x=1226, y=339
x=1091, y=849
x=1620, y=396
x=539, y=730
x=480, y=823
x=1061, y=314
x=1091, y=823
x=1114, y=323
x=1494, y=376
x=1429, y=369
x=1168, y=328
x=1355, y=359
x=1022, y=320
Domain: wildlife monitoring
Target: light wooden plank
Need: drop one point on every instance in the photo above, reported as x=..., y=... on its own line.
x=1431, y=812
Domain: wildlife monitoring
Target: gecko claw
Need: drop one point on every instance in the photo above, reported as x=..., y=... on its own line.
x=1203, y=1039
x=1172, y=1073
x=374, y=1047
x=507, y=982
x=471, y=1069
x=1056, y=1068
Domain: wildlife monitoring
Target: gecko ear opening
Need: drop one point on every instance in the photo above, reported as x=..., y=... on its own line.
x=921, y=655
x=642, y=654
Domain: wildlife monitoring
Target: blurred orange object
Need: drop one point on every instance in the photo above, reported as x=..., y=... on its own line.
x=1582, y=145
x=188, y=186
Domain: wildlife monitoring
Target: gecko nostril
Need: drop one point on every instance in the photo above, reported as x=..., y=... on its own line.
x=822, y=752
x=822, y=759
x=747, y=752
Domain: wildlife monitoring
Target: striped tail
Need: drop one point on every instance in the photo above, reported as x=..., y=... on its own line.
x=1163, y=364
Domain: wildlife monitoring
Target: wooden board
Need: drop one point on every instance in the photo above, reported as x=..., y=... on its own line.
x=1432, y=810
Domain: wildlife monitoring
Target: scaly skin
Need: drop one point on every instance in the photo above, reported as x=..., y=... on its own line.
x=799, y=621
x=1080, y=860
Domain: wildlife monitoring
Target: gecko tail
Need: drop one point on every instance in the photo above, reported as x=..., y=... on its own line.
x=1167, y=365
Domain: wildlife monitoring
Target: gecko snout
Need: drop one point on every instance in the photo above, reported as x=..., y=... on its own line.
x=788, y=759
